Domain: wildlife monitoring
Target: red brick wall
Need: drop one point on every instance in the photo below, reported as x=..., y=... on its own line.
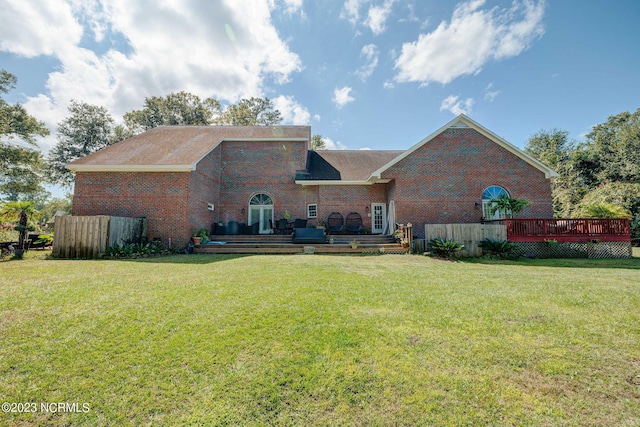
x=161, y=197
x=269, y=167
x=350, y=198
x=438, y=183
x=442, y=180
x=204, y=188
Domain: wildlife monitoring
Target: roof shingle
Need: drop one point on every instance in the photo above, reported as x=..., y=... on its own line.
x=182, y=145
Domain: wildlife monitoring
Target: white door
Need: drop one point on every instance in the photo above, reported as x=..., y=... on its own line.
x=378, y=217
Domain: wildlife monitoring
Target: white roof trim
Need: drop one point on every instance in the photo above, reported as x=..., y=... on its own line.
x=131, y=168
x=370, y=181
x=463, y=121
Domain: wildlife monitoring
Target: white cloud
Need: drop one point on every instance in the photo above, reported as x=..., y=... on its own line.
x=489, y=94
x=351, y=10
x=455, y=106
x=292, y=112
x=330, y=144
x=52, y=28
x=388, y=85
x=370, y=52
x=316, y=117
x=226, y=49
x=377, y=17
x=342, y=97
x=472, y=38
x=292, y=6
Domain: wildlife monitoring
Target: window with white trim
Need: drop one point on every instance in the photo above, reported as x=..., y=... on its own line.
x=312, y=211
x=489, y=194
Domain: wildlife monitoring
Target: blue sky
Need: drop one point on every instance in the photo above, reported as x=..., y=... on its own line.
x=379, y=74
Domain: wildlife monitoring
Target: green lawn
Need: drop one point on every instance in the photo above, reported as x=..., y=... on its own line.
x=322, y=340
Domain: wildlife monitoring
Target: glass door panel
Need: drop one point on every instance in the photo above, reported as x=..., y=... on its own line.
x=266, y=215
x=378, y=217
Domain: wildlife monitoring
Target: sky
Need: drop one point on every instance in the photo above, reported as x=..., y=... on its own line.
x=364, y=74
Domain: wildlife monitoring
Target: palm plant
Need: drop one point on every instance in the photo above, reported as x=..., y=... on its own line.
x=508, y=205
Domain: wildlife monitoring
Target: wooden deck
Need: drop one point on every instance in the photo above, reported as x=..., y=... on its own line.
x=568, y=230
x=273, y=244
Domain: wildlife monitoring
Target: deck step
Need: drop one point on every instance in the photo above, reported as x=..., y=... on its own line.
x=282, y=244
x=397, y=250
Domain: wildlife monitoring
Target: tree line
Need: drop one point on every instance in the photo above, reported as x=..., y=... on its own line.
x=89, y=128
x=599, y=176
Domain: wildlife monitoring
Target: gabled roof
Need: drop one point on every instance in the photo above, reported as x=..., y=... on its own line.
x=179, y=148
x=463, y=121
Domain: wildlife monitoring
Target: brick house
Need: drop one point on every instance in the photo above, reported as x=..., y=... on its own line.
x=181, y=177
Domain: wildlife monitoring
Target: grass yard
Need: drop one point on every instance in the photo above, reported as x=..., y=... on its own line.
x=321, y=340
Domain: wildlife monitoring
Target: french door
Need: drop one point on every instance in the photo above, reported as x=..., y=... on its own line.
x=261, y=211
x=378, y=217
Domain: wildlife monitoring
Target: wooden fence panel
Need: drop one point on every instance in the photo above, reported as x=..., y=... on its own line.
x=435, y=231
x=122, y=229
x=470, y=235
x=90, y=236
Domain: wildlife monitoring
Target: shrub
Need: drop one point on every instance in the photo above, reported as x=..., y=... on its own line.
x=604, y=210
x=502, y=249
x=135, y=250
x=444, y=247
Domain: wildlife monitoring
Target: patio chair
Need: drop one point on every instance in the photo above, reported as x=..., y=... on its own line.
x=335, y=222
x=282, y=226
x=354, y=222
x=300, y=223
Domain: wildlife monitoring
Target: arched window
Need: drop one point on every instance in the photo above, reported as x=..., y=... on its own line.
x=489, y=194
x=261, y=199
x=261, y=211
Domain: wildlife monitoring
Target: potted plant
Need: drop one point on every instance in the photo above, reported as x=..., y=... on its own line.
x=354, y=243
x=331, y=239
x=321, y=224
x=287, y=215
x=202, y=236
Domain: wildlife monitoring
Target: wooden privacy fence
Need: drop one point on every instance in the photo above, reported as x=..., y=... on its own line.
x=90, y=236
x=470, y=235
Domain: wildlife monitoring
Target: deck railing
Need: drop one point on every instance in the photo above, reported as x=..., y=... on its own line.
x=568, y=230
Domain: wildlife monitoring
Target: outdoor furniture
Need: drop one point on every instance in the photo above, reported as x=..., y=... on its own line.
x=335, y=222
x=234, y=227
x=300, y=223
x=282, y=227
x=308, y=235
x=252, y=229
x=354, y=222
x=218, y=229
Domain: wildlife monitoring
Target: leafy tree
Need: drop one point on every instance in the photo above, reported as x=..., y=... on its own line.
x=49, y=208
x=626, y=195
x=180, y=108
x=317, y=143
x=250, y=112
x=553, y=148
x=88, y=128
x=611, y=151
x=21, y=165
